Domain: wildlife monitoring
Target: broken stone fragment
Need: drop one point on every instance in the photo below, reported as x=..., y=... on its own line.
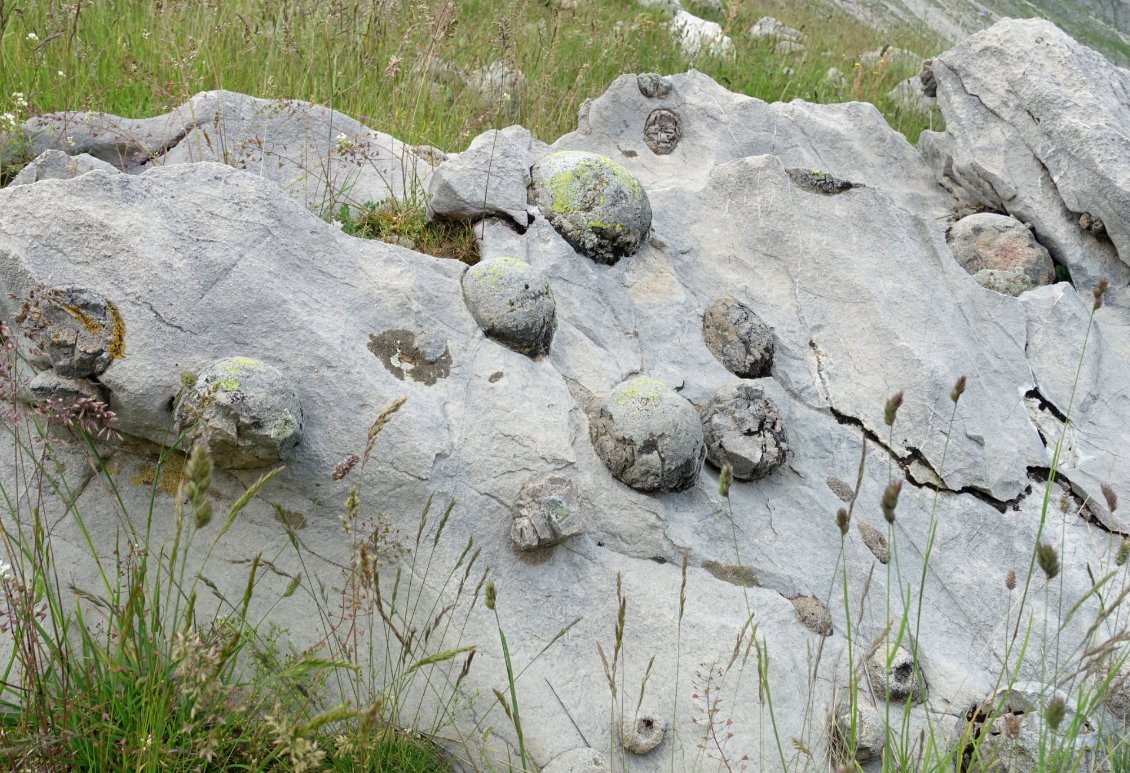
x=653, y=85
x=583, y=760
x=512, y=304
x=743, y=428
x=643, y=732
x=546, y=512
x=900, y=681
x=49, y=385
x=80, y=331
x=1000, y=253
x=245, y=412
x=649, y=437
x=738, y=338
x=596, y=205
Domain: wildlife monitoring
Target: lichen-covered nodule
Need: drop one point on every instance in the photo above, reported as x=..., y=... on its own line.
x=596, y=205
x=512, y=304
x=649, y=437
x=80, y=332
x=244, y=410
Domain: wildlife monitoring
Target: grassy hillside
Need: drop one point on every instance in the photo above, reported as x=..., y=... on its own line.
x=402, y=67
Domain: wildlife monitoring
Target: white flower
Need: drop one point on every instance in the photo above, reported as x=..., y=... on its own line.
x=19, y=98
x=7, y=122
x=337, y=224
x=5, y=571
x=61, y=74
x=32, y=37
x=344, y=144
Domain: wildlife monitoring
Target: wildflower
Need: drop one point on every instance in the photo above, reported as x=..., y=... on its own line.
x=958, y=389
x=5, y=571
x=344, y=144
x=32, y=37
x=7, y=122
x=890, y=500
x=1048, y=560
x=19, y=99
x=338, y=224
x=60, y=73
x=892, y=408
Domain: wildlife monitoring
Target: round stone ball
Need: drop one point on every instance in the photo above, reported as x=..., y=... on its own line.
x=649, y=437
x=738, y=338
x=512, y=304
x=245, y=412
x=596, y=205
x=1000, y=253
x=743, y=428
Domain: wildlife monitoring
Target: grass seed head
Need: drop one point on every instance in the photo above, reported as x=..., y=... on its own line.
x=890, y=500
x=198, y=480
x=491, y=595
x=1099, y=291
x=1010, y=580
x=1110, y=497
x=1054, y=712
x=1047, y=558
x=843, y=518
x=891, y=409
x=1123, y=552
x=725, y=479
x=958, y=389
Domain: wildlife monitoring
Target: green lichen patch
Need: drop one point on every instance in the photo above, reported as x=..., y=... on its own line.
x=643, y=389
x=495, y=270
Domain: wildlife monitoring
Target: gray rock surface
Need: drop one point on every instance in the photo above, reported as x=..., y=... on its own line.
x=49, y=385
x=699, y=37
x=579, y=761
x=744, y=429
x=594, y=203
x=57, y=165
x=870, y=730
x=512, y=304
x=244, y=411
x=864, y=298
x=648, y=436
x=998, y=250
x=738, y=338
x=490, y=177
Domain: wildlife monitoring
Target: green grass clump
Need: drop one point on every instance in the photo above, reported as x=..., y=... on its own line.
x=406, y=223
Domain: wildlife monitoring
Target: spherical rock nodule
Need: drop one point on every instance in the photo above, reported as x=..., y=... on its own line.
x=649, y=437
x=643, y=732
x=596, y=205
x=870, y=730
x=79, y=331
x=738, y=338
x=583, y=760
x=546, y=512
x=1000, y=253
x=743, y=428
x=901, y=681
x=244, y=411
x=512, y=304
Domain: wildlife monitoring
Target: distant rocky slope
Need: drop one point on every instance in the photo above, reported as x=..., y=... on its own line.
x=692, y=278
x=1101, y=23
